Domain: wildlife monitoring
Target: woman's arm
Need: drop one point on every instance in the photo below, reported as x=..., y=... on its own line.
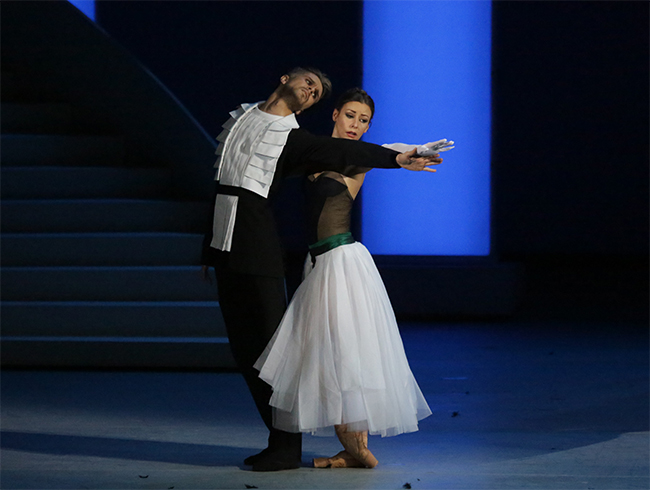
x=400, y=147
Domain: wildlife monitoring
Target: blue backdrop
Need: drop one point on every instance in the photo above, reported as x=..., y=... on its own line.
x=427, y=66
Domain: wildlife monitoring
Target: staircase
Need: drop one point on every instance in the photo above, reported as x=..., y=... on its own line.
x=100, y=259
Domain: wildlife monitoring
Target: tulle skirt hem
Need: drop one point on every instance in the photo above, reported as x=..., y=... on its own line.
x=337, y=356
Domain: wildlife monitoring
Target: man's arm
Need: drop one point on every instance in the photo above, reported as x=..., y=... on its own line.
x=307, y=153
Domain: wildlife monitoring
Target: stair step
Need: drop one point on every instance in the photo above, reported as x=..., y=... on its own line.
x=35, y=118
x=103, y=215
x=83, y=182
x=117, y=352
x=17, y=88
x=83, y=249
x=160, y=283
x=59, y=149
x=112, y=319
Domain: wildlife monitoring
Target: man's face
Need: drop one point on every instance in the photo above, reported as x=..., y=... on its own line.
x=302, y=91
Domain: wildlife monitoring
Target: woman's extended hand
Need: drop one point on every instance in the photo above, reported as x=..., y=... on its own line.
x=410, y=161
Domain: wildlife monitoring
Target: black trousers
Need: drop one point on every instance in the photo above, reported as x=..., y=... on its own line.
x=252, y=308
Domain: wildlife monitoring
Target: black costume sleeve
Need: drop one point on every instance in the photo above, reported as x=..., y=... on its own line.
x=307, y=153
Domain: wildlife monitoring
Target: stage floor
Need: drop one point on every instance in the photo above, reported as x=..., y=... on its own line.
x=522, y=404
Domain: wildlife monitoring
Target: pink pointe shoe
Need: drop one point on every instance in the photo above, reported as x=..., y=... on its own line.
x=356, y=446
x=341, y=460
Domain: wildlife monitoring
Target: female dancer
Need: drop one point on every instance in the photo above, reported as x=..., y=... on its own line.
x=337, y=357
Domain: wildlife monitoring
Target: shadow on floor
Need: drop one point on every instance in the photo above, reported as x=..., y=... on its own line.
x=111, y=447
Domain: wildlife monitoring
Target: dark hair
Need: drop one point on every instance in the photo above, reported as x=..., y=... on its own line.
x=356, y=95
x=327, y=84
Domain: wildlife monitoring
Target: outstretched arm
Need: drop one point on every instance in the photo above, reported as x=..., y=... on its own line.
x=423, y=150
x=306, y=153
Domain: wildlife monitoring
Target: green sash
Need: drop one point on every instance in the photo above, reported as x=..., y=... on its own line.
x=330, y=243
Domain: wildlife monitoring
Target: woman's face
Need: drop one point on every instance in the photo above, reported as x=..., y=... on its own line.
x=351, y=121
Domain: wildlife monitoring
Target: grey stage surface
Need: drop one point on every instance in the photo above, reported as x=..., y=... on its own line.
x=543, y=404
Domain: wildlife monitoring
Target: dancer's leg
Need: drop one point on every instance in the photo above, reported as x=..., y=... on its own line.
x=252, y=307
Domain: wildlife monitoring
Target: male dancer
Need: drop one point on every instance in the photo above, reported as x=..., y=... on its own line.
x=261, y=144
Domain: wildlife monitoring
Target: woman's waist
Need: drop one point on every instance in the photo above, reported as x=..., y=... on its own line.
x=329, y=243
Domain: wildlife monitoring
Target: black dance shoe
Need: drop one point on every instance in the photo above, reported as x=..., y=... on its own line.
x=276, y=461
x=251, y=460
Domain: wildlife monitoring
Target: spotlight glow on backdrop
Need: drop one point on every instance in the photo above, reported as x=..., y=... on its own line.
x=86, y=6
x=427, y=66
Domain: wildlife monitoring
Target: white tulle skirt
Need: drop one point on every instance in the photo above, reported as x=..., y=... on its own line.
x=337, y=356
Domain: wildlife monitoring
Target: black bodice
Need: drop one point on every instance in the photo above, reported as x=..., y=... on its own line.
x=329, y=204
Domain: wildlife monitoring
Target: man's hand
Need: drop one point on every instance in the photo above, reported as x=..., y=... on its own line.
x=410, y=161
